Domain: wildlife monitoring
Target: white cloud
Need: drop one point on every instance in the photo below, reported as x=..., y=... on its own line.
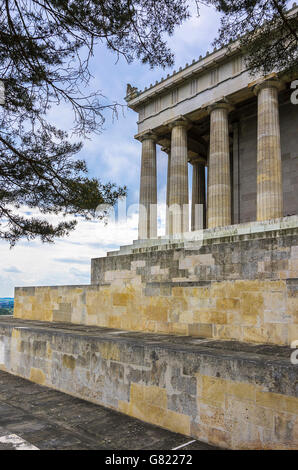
x=112, y=156
x=67, y=261
x=195, y=36
x=11, y=269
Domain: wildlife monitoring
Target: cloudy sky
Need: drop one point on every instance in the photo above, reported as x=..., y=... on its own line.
x=112, y=156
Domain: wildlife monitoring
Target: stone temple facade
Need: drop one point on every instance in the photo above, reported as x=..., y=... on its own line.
x=214, y=113
x=196, y=334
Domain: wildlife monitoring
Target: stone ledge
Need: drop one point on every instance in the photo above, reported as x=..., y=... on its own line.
x=225, y=393
x=232, y=233
x=260, y=354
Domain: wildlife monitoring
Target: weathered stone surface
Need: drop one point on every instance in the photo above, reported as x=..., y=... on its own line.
x=226, y=393
x=50, y=420
x=244, y=289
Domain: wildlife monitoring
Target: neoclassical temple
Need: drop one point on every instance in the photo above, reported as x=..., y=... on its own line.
x=213, y=113
x=195, y=334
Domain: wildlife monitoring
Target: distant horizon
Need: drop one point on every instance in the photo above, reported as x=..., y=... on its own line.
x=6, y=305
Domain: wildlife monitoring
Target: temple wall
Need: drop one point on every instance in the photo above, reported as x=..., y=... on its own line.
x=238, y=399
x=243, y=289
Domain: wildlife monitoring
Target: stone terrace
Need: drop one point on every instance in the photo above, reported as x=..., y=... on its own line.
x=226, y=393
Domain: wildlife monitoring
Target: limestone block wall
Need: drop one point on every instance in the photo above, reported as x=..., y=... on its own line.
x=238, y=289
x=241, y=399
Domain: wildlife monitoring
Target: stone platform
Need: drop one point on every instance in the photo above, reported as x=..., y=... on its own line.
x=238, y=282
x=190, y=335
x=227, y=393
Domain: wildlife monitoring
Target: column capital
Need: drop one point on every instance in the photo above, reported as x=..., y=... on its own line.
x=197, y=159
x=221, y=104
x=273, y=82
x=180, y=121
x=166, y=149
x=146, y=135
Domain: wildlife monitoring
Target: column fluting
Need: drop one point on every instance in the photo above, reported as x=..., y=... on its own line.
x=167, y=150
x=178, y=197
x=148, y=188
x=198, y=201
x=219, y=180
x=269, y=169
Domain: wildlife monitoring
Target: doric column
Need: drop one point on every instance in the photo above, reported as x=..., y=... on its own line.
x=236, y=171
x=178, y=197
x=219, y=180
x=269, y=172
x=167, y=150
x=198, y=201
x=148, y=188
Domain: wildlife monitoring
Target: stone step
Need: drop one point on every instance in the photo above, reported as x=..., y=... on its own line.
x=225, y=393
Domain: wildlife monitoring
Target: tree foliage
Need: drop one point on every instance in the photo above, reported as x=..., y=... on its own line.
x=267, y=33
x=45, y=51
